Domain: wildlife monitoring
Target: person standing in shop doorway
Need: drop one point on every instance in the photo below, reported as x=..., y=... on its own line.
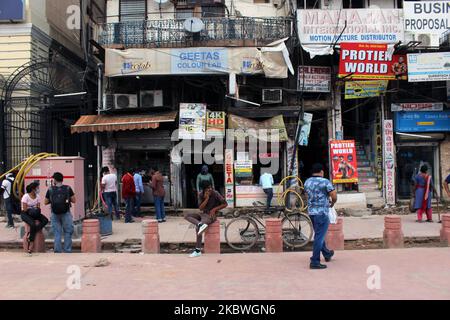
x=128, y=194
x=266, y=182
x=424, y=187
x=139, y=193
x=158, y=194
x=210, y=203
x=109, y=189
x=202, y=177
x=321, y=196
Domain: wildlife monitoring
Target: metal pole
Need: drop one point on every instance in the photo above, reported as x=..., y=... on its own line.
x=2, y=138
x=99, y=106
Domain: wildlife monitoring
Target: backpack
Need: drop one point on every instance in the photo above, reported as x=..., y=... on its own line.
x=60, y=199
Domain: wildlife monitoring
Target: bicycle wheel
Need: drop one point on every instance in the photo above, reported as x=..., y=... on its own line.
x=297, y=230
x=241, y=233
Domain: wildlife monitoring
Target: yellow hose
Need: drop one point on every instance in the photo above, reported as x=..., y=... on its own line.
x=282, y=196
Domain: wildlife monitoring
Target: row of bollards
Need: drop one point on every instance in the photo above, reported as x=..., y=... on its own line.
x=91, y=240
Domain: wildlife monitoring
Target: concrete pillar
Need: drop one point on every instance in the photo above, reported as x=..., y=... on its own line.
x=393, y=235
x=150, y=236
x=212, y=238
x=274, y=240
x=335, y=235
x=90, y=239
x=38, y=244
x=445, y=229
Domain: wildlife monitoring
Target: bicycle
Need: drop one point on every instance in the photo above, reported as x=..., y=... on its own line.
x=243, y=233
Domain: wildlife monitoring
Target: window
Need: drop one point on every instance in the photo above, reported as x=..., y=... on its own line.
x=346, y=4
x=132, y=10
x=213, y=11
x=308, y=4
x=182, y=14
x=261, y=1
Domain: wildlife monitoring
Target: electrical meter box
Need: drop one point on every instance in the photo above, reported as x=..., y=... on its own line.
x=72, y=168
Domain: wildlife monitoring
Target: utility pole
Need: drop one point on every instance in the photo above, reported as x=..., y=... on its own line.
x=97, y=135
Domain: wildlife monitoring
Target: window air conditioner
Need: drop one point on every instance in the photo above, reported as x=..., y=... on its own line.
x=125, y=101
x=153, y=98
x=272, y=96
x=427, y=40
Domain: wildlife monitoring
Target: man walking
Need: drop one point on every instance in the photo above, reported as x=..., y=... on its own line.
x=60, y=197
x=109, y=188
x=8, y=198
x=158, y=194
x=211, y=202
x=128, y=194
x=319, y=191
x=266, y=182
x=139, y=193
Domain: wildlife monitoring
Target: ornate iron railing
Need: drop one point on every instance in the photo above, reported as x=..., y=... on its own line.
x=171, y=33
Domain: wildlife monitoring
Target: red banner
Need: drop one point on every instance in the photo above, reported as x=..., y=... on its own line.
x=370, y=61
x=344, y=166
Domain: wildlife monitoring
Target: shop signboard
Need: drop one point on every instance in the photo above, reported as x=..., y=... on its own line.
x=192, y=121
x=198, y=60
x=370, y=61
x=434, y=66
x=317, y=79
x=215, y=124
x=343, y=161
x=243, y=168
x=427, y=16
x=357, y=25
x=306, y=128
x=389, y=162
x=12, y=10
x=108, y=158
x=422, y=121
x=420, y=106
x=364, y=89
x=229, y=177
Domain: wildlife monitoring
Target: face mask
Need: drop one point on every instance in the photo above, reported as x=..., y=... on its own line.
x=37, y=191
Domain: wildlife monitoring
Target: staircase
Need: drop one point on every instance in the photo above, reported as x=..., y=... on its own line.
x=367, y=179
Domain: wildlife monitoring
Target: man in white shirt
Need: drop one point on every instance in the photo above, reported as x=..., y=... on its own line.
x=7, y=198
x=109, y=189
x=266, y=182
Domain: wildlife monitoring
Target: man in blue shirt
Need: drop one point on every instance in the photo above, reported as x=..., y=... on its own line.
x=266, y=182
x=139, y=193
x=321, y=196
x=446, y=183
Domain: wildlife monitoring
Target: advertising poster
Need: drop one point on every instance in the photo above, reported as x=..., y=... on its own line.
x=229, y=177
x=364, y=89
x=290, y=151
x=389, y=161
x=343, y=161
x=215, y=124
x=427, y=16
x=306, y=128
x=369, y=61
x=243, y=168
x=359, y=25
x=433, y=66
x=192, y=121
x=317, y=79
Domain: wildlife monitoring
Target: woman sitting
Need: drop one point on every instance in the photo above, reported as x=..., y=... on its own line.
x=31, y=212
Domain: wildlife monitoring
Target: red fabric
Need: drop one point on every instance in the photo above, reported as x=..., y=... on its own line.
x=429, y=213
x=128, y=186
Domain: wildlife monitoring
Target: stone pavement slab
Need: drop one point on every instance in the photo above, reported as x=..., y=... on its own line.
x=415, y=273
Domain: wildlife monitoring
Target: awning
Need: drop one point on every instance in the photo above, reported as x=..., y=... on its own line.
x=104, y=123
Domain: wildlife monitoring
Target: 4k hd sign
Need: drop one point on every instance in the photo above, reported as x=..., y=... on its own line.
x=370, y=61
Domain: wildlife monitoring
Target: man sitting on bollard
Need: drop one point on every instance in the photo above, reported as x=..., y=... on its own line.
x=320, y=191
x=211, y=201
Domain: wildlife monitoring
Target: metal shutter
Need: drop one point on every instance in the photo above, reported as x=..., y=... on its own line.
x=132, y=10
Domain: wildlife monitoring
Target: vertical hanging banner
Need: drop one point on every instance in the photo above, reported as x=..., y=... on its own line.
x=215, y=124
x=389, y=161
x=343, y=161
x=306, y=128
x=192, y=121
x=229, y=177
x=290, y=153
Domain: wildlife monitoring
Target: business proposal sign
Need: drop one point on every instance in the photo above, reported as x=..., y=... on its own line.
x=433, y=66
x=427, y=16
x=370, y=61
x=356, y=25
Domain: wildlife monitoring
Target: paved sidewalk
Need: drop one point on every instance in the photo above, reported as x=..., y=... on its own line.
x=178, y=230
x=416, y=273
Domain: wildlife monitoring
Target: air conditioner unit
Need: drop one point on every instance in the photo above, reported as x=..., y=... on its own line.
x=125, y=101
x=427, y=39
x=151, y=98
x=272, y=96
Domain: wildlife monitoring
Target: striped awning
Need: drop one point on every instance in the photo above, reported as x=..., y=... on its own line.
x=105, y=123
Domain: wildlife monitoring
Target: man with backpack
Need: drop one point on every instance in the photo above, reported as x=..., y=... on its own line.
x=6, y=189
x=60, y=197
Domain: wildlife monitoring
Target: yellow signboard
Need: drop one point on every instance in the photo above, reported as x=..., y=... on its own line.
x=364, y=89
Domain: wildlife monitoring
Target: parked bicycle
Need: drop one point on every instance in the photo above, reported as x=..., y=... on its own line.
x=244, y=232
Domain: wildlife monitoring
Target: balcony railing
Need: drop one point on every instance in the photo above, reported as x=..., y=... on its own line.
x=241, y=31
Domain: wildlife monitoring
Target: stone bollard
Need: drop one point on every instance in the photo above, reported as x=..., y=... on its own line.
x=274, y=240
x=445, y=229
x=335, y=235
x=90, y=238
x=212, y=238
x=393, y=235
x=39, y=240
x=150, y=239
